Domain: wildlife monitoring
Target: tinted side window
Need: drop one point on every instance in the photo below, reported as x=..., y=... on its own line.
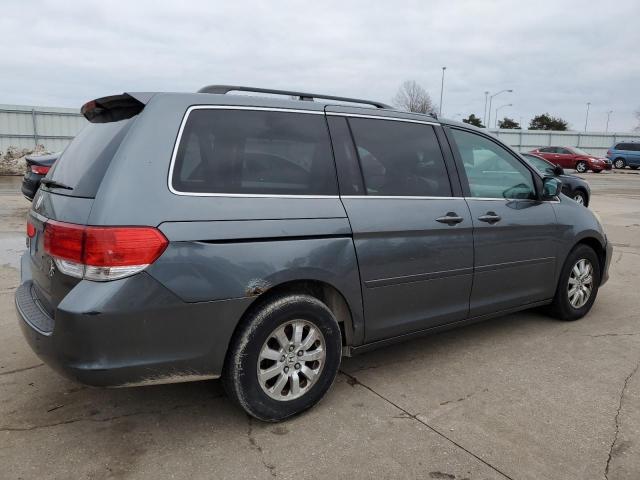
x=491, y=170
x=564, y=151
x=628, y=146
x=254, y=152
x=547, y=150
x=400, y=158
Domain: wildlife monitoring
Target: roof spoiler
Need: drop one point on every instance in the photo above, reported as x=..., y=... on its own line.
x=223, y=89
x=115, y=107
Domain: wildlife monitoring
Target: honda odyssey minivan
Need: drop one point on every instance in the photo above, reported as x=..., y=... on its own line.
x=189, y=236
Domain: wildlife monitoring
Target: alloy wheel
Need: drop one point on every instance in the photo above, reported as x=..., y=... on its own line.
x=581, y=167
x=619, y=163
x=580, y=285
x=291, y=360
x=579, y=198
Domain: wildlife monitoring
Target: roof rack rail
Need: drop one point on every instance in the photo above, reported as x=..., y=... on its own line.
x=223, y=89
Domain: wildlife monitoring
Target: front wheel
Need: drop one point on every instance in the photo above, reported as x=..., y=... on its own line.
x=284, y=357
x=580, y=197
x=581, y=167
x=578, y=284
x=619, y=163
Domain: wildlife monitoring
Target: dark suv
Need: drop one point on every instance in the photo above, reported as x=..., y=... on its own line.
x=191, y=236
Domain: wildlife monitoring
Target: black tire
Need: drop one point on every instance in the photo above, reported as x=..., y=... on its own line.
x=561, y=307
x=619, y=163
x=581, y=167
x=583, y=200
x=240, y=375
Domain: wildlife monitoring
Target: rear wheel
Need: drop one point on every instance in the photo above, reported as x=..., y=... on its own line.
x=284, y=357
x=581, y=167
x=578, y=284
x=619, y=163
x=580, y=197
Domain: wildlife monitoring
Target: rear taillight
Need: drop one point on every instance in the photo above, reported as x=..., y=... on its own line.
x=31, y=230
x=102, y=253
x=40, y=169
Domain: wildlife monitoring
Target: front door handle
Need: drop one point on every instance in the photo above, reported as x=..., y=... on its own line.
x=451, y=218
x=490, y=217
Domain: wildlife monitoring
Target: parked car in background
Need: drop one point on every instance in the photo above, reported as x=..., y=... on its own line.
x=625, y=154
x=217, y=266
x=572, y=186
x=37, y=167
x=572, y=157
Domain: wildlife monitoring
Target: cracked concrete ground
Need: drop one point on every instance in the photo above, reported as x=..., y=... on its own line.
x=520, y=397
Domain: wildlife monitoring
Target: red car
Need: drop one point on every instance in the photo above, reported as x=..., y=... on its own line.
x=571, y=157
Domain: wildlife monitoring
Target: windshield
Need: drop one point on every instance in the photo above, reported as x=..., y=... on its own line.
x=539, y=164
x=581, y=152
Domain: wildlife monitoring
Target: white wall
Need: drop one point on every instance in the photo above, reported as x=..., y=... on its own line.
x=54, y=127
x=596, y=143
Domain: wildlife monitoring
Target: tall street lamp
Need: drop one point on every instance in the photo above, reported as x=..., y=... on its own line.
x=498, y=109
x=441, y=91
x=491, y=101
x=606, y=129
x=484, y=114
x=586, y=118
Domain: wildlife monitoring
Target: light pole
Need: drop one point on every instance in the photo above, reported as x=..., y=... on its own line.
x=606, y=129
x=441, y=91
x=586, y=118
x=484, y=114
x=498, y=109
x=491, y=101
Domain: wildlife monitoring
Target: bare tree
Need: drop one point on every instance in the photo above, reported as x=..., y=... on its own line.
x=414, y=98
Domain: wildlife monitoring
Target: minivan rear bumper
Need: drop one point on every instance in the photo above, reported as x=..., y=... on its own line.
x=129, y=332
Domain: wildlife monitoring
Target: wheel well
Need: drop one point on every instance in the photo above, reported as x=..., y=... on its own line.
x=620, y=158
x=324, y=292
x=586, y=195
x=597, y=247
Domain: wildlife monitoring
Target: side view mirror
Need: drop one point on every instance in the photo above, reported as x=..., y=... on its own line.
x=558, y=170
x=551, y=187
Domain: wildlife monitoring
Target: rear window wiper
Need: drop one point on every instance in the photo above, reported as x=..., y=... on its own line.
x=53, y=184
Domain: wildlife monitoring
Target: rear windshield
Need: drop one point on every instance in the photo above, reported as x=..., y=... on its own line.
x=254, y=152
x=85, y=161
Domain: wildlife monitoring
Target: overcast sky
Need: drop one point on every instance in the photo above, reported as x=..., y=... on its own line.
x=555, y=55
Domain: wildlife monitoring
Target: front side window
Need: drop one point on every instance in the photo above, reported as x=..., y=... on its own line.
x=491, y=170
x=254, y=152
x=400, y=158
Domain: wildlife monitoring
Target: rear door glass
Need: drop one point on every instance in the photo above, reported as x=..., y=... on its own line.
x=84, y=162
x=400, y=158
x=254, y=152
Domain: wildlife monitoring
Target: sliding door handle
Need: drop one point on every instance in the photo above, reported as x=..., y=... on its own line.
x=490, y=217
x=451, y=218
